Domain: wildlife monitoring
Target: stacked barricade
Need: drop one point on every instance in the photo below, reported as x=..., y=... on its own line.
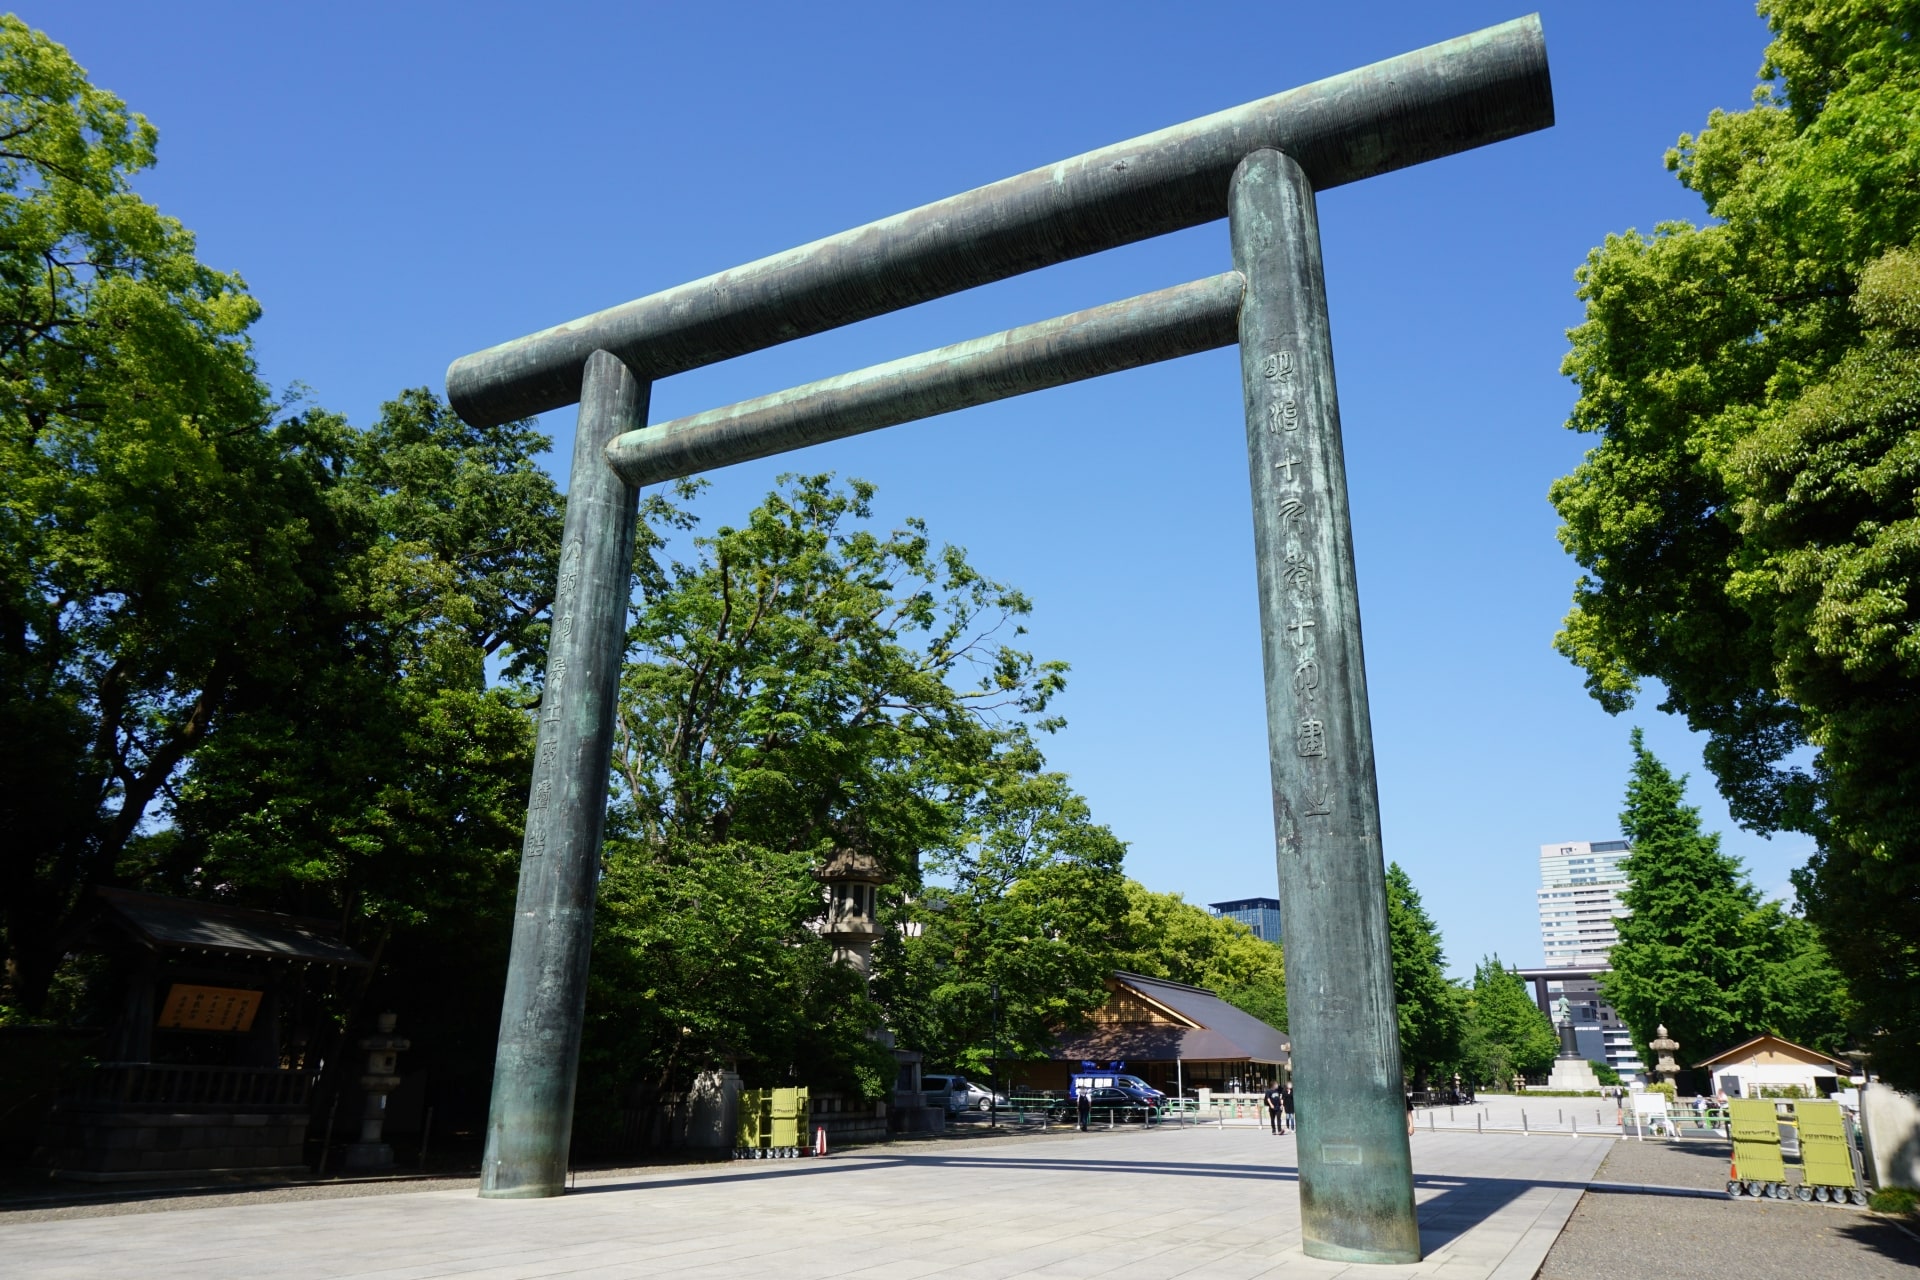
x=775, y=1124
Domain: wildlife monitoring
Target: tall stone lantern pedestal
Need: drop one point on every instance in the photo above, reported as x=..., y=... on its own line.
x=383, y=1050
x=852, y=880
x=1665, y=1070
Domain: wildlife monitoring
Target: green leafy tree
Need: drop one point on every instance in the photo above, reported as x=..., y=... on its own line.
x=1504, y=1032
x=811, y=685
x=379, y=776
x=1746, y=521
x=157, y=524
x=1700, y=952
x=1020, y=945
x=1432, y=1007
x=1169, y=937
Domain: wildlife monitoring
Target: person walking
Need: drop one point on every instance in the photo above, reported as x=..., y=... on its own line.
x=1409, y=1113
x=1083, y=1102
x=1275, y=1112
x=1286, y=1103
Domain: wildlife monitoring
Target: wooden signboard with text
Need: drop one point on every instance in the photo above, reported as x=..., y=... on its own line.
x=193, y=1008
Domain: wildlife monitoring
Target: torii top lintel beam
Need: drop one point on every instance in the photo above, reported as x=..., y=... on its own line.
x=1449, y=97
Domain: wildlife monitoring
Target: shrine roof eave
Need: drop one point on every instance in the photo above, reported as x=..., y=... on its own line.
x=185, y=925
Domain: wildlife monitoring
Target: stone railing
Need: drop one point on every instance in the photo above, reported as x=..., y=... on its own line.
x=153, y=1086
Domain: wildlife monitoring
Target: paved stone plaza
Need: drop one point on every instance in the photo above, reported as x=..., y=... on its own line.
x=1192, y=1203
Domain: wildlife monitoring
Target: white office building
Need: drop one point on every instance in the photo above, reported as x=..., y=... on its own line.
x=1579, y=898
x=1580, y=886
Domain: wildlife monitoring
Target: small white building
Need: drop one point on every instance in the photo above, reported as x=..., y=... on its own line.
x=1766, y=1065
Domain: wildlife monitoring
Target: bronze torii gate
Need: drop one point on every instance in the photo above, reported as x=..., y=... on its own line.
x=1259, y=165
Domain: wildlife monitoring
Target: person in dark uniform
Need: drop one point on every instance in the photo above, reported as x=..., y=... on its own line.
x=1275, y=1111
x=1286, y=1102
x=1083, y=1101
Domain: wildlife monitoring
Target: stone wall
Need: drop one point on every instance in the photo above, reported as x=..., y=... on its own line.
x=94, y=1146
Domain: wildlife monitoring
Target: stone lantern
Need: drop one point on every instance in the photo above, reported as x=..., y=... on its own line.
x=383, y=1052
x=1665, y=1070
x=853, y=880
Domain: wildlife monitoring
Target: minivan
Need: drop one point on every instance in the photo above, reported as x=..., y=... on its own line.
x=951, y=1090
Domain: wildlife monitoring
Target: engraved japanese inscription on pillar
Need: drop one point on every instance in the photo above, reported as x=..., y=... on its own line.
x=1356, y=1183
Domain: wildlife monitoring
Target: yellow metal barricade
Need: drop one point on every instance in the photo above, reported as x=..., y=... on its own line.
x=1826, y=1153
x=1757, y=1166
x=774, y=1123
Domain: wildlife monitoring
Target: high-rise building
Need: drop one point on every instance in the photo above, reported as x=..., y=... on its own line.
x=1262, y=915
x=1580, y=886
x=1581, y=882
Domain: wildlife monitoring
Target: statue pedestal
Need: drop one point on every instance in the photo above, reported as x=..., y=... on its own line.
x=1573, y=1073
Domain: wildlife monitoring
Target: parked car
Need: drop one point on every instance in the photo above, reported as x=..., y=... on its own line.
x=947, y=1091
x=981, y=1098
x=1140, y=1087
x=1113, y=1102
x=1136, y=1088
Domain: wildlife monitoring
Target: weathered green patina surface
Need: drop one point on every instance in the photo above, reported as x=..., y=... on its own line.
x=1356, y=1177
x=1262, y=163
x=1448, y=97
x=1180, y=321
x=538, y=1059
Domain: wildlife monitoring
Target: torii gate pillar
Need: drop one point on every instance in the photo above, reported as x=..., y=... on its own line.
x=1356, y=1174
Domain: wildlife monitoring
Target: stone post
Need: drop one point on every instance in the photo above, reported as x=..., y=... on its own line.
x=1356, y=1174
x=530, y=1127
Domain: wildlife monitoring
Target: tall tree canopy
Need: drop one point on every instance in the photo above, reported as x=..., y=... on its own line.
x=1432, y=1007
x=1700, y=952
x=1505, y=1033
x=1747, y=521
x=1169, y=937
x=813, y=684
x=378, y=776
x=1017, y=944
x=157, y=524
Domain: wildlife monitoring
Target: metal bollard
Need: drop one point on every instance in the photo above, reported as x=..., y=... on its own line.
x=1477, y=1128
x=1523, y=1122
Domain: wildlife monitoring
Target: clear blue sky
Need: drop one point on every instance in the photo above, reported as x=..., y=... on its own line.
x=403, y=183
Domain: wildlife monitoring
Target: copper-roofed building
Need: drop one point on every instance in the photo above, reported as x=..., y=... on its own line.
x=1170, y=1035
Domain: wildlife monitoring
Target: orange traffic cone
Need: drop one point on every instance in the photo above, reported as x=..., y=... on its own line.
x=820, y=1140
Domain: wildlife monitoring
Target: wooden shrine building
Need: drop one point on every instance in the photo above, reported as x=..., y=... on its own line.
x=194, y=1075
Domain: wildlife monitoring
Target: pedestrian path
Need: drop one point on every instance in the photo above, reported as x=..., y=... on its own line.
x=1198, y=1203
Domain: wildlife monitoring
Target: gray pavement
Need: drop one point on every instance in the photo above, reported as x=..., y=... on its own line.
x=1195, y=1203
x=1618, y=1235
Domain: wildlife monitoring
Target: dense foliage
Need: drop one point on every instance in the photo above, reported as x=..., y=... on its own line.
x=1700, y=951
x=1432, y=1007
x=379, y=777
x=810, y=685
x=1169, y=937
x=1747, y=521
x=157, y=524
x=1017, y=944
x=1504, y=1033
